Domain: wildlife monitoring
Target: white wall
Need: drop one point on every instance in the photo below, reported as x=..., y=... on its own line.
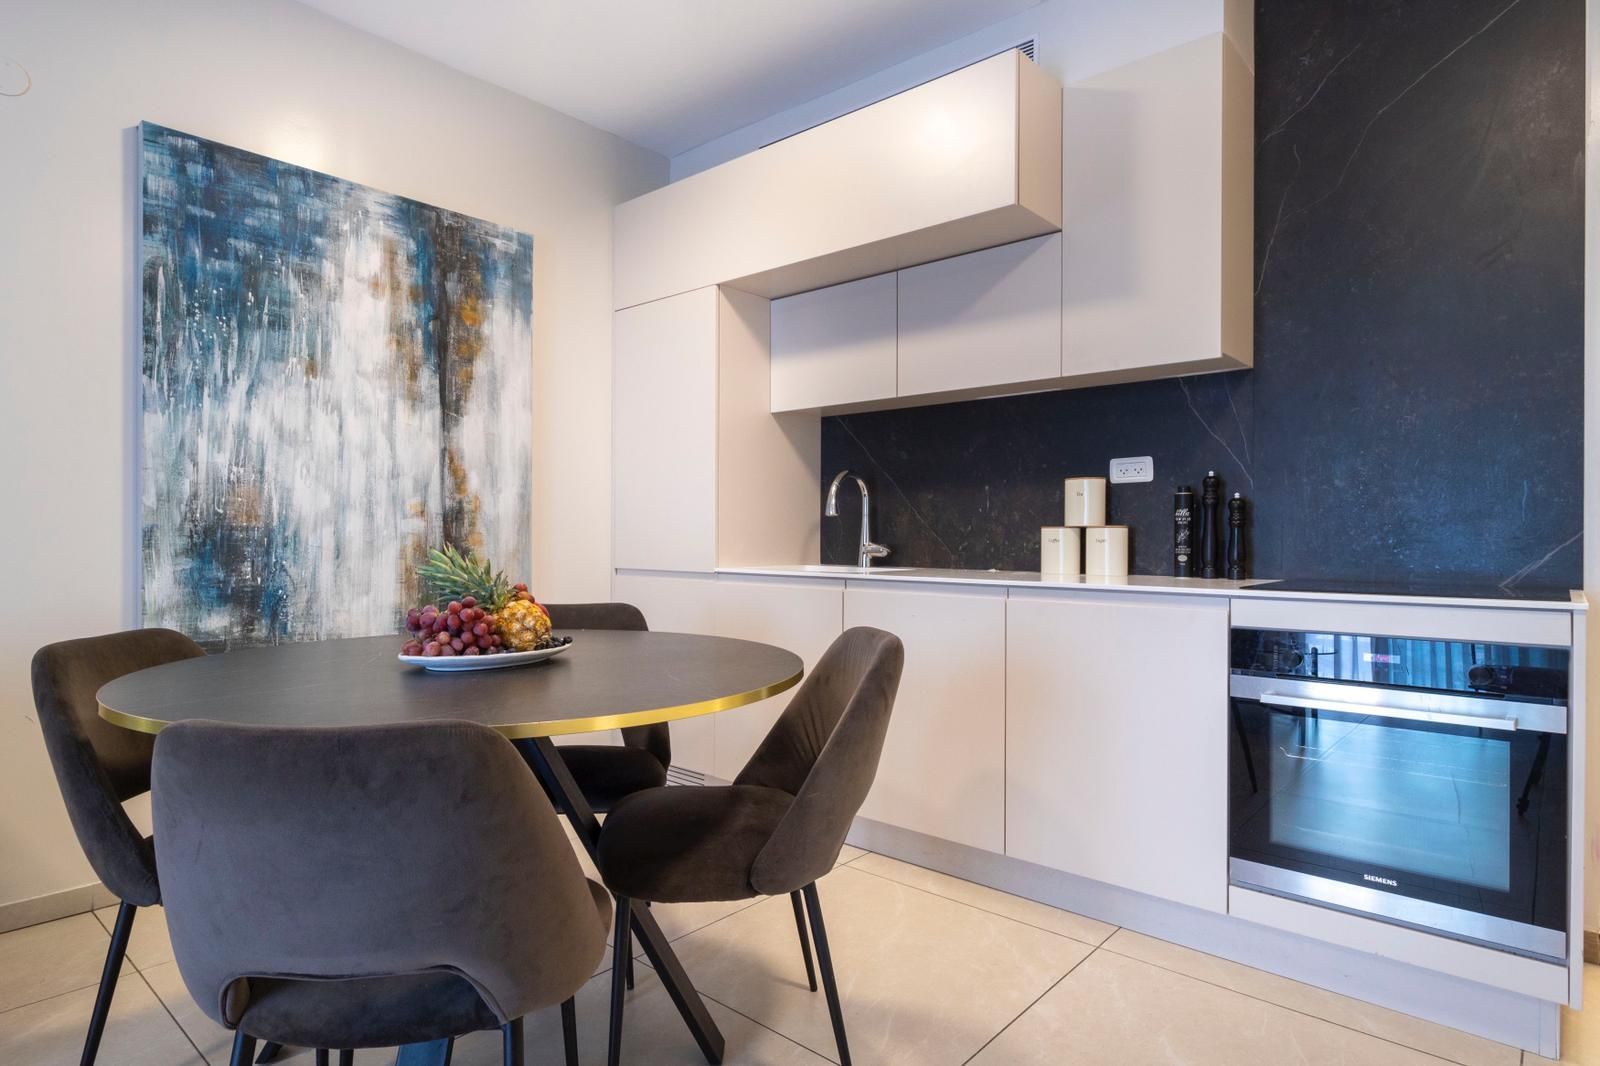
x=1076, y=39
x=276, y=78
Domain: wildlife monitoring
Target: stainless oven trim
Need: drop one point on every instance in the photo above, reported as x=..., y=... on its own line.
x=1412, y=704
x=1484, y=929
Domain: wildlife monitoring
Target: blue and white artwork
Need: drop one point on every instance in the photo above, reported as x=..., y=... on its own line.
x=334, y=380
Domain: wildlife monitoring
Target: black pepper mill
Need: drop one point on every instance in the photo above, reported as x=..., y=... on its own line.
x=1208, y=524
x=1183, y=532
x=1236, y=538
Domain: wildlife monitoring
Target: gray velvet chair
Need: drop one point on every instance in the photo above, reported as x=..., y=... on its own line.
x=608, y=772
x=369, y=886
x=99, y=766
x=778, y=828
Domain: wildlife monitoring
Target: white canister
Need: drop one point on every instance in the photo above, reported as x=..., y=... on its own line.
x=1059, y=551
x=1105, y=551
x=1086, y=501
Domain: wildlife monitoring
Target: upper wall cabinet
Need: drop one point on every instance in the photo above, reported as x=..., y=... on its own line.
x=1158, y=224
x=834, y=346
x=967, y=161
x=984, y=319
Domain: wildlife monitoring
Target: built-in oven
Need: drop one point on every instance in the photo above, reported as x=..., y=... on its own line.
x=1418, y=782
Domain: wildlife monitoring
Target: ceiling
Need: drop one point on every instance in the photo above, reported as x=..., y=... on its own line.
x=670, y=74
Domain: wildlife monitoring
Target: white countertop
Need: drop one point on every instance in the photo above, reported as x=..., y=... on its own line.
x=1194, y=586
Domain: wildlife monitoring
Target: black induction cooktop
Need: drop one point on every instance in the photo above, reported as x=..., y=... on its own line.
x=1441, y=589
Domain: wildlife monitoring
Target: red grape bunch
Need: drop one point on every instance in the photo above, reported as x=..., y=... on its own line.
x=462, y=628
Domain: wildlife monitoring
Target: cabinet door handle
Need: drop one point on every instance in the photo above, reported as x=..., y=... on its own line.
x=1378, y=710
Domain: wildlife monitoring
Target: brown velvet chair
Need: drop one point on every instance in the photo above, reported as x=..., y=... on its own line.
x=608, y=772
x=98, y=767
x=457, y=903
x=778, y=828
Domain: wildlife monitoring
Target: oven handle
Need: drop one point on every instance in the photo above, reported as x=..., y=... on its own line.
x=1470, y=721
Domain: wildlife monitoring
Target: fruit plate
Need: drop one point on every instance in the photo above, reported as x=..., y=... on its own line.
x=452, y=664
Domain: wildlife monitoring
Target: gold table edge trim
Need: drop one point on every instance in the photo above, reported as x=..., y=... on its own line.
x=524, y=730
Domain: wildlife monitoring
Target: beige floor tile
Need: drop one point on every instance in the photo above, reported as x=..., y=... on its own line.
x=653, y=1033
x=1016, y=908
x=1415, y=1033
x=149, y=945
x=46, y=960
x=678, y=920
x=850, y=853
x=1117, y=1011
x=923, y=979
x=138, y=1033
x=1580, y=1030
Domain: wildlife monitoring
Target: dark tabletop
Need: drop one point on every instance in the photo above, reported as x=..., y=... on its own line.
x=605, y=680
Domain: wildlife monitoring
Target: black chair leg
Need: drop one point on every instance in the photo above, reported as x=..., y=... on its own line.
x=513, y=1039
x=621, y=951
x=569, y=1029
x=108, y=982
x=630, y=971
x=825, y=962
x=347, y=1057
x=805, y=941
x=322, y=1056
x=244, y=1049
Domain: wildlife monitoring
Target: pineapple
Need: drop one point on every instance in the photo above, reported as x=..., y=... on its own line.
x=523, y=625
x=449, y=575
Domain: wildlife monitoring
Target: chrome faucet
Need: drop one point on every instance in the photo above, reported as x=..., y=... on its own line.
x=868, y=551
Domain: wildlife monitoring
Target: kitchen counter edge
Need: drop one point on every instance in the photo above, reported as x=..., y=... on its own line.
x=1150, y=583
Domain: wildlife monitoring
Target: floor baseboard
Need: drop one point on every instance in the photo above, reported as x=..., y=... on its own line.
x=54, y=905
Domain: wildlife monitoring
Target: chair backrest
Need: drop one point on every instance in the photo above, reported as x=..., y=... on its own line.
x=99, y=765
x=824, y=751
x=656, y=739
x=366, y=852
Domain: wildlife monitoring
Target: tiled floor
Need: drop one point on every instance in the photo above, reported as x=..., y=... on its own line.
x=932, y=970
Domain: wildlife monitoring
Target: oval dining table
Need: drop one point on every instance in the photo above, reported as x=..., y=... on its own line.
x=605, y=680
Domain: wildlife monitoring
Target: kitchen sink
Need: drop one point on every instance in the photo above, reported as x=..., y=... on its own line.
x=829, y=568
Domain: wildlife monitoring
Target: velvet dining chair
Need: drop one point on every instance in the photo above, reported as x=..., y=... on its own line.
x=99, y=767
x=458, y=904
x=781, y=824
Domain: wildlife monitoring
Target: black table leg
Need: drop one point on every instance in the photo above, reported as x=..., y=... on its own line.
x=552, y=770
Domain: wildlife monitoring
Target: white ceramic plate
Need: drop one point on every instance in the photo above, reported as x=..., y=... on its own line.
x=451, y=664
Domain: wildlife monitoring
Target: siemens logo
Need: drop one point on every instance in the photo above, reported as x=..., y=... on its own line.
x=1381, y=880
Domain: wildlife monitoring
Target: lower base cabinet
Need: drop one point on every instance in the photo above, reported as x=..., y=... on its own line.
x=1116, y=740
x=943, y=767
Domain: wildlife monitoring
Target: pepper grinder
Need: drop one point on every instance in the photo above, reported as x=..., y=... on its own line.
x=1208, y=524
x=1183, y=531
x=1236, y=538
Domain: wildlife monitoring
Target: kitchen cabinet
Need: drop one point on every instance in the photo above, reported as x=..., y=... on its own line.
x=1159, y=255
x=803, y=616
x=678, y=603
x=1116, y=740
x=664, y=433
x=703, y=474
x=965, y=161
x=834, y=346
x=983, y=319
x=943, y=767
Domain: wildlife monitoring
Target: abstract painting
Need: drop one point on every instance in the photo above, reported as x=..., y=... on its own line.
x=334, y=379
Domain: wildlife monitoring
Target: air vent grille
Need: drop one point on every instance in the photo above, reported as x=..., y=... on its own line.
x=1026, y=48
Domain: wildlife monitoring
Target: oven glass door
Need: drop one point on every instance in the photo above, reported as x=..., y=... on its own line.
x=1454, y=828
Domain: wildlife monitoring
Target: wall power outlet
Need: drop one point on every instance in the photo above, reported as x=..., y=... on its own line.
x=1136, y=468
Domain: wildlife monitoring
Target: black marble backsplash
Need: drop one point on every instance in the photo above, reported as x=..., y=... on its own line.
x=1415, y=410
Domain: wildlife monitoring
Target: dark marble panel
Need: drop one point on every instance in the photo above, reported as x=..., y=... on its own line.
x=1416, y=406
